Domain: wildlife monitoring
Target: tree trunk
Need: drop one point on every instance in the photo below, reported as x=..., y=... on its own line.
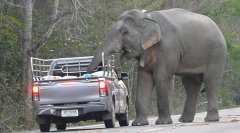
x=27, y=40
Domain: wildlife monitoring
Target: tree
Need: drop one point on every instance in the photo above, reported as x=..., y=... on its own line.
x=27, y=45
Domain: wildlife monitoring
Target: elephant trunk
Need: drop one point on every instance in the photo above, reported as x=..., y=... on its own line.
x=111, y=45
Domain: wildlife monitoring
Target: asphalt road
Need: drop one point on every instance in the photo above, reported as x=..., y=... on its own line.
x=229, y=123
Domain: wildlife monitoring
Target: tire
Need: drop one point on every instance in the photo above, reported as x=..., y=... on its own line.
x=111, y=122
x=44, y=127
x=61, y=126
x=124, y=120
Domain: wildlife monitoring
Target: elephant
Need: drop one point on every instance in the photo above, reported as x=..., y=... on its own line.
x=167, y=43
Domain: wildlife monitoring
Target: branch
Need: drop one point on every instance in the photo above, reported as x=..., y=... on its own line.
x=77, y=8
x=46, y=36
x=74, y=2
x=84, y=7
x=7, y=126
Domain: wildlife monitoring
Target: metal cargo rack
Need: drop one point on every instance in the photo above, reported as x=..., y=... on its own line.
x=68, y=66
x=40, y=67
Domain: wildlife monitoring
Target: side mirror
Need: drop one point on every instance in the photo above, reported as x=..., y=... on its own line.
x=124, y=76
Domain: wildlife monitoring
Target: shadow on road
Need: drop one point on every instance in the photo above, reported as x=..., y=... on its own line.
x=78, y=129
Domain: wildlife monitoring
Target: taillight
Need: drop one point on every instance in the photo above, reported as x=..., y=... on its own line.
x=35, y=92
x=103, y=88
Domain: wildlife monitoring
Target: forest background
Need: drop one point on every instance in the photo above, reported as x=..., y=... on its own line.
x=69, y=28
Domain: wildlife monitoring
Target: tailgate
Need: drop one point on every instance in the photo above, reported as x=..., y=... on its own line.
x=68, y=91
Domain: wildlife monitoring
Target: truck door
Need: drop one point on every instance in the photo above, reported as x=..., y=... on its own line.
x=122, y=96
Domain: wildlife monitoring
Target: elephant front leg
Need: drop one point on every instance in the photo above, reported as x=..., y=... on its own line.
x=163, y=86
x=144, y=91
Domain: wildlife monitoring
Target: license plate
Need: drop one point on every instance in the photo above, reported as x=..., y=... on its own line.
x=69, y=113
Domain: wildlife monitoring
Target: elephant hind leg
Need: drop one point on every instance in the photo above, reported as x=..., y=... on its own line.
x=212, y=80
x=192, y=85
x=212, y=84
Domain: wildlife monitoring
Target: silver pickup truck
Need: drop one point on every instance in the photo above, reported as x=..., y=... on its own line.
x=63, y=92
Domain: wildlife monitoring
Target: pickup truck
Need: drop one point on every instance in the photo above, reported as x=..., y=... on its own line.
x=63, y=92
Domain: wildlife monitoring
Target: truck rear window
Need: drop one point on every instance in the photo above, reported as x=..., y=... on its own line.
x=71, y=69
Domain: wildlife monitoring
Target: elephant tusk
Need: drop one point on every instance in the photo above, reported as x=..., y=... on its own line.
x=128, y=50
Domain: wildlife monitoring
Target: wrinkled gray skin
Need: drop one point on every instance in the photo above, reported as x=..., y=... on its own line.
x=166, y=43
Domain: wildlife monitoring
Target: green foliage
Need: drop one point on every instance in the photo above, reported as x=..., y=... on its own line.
x=7, y=32
x=226, y=98
x=225, y=9
x=232, y=7
x=11, y=99
x=156, y=5
x=9, y=51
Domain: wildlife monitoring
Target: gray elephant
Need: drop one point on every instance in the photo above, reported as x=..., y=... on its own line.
x=166, y=43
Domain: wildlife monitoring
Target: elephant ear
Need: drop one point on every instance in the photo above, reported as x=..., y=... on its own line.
x=151, y=33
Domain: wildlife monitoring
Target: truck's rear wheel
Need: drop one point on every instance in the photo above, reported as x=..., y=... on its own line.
x=61, y=126
x=44, y=127
x=123, y=118
x=110, y=123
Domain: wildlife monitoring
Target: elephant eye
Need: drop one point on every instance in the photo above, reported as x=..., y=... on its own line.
x=124, y=31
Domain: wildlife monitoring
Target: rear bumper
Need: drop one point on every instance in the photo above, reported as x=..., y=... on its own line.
x=49, y=110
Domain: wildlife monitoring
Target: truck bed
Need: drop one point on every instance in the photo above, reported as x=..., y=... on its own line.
x=79, y=90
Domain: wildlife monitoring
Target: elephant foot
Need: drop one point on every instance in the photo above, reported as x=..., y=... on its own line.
x=212, y=117
x=140, y=122
x=161, y=121
x=184, y=118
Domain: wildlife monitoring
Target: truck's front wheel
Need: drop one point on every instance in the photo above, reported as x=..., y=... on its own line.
x=44, y=127
x=123, y=118
x=61, y=126
x=110, y=123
